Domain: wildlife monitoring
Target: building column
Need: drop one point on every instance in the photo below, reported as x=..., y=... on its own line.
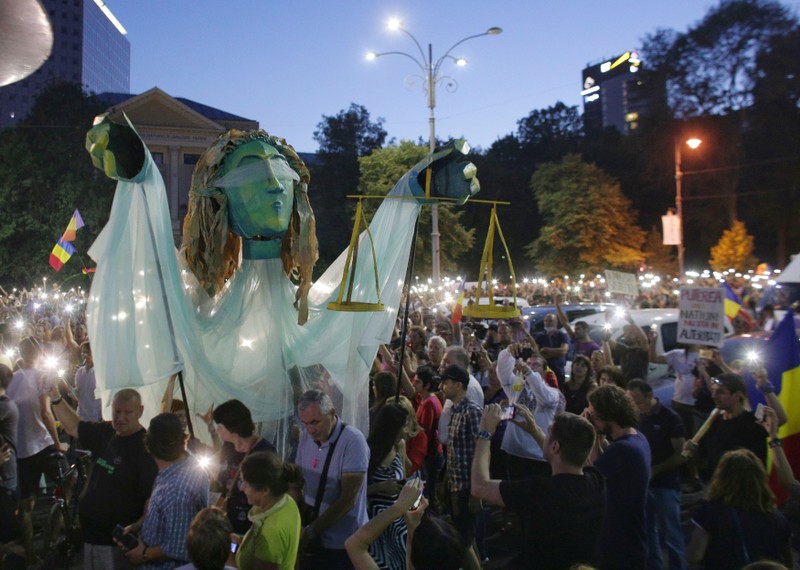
x=174, y=186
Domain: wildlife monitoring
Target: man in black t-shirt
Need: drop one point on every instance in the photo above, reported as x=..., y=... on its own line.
x=734, y=428
x=122, y=476
x=569, y=503
x=663, y=429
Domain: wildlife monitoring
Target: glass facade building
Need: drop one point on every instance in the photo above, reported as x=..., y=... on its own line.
x=89, y=47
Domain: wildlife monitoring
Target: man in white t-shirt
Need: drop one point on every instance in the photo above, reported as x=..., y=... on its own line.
x=37, y=438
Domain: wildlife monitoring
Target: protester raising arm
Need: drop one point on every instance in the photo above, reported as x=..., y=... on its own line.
x=562, y=317
x=782, y=468
x=481, y=484
x=765, y=387
x=357, y=545
x=63, y=411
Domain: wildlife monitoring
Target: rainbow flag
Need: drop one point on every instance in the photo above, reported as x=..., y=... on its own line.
x=458, y=310
x=783, y=368
x=733, y=304
x=75, y=223
x=61, y=253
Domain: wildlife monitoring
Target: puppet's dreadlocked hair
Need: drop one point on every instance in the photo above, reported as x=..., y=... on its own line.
x=212, y=250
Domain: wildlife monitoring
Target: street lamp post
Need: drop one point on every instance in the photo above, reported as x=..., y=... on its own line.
x=431, y=78
x=692, y=143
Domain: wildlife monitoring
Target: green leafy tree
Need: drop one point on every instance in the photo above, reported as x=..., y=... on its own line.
x=45, y=174
x=380, y=171
x=734, y=250
x=659, y=258
x=589, y=224
x=343, y=138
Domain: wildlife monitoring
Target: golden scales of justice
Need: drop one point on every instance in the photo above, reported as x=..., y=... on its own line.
x=490, y=310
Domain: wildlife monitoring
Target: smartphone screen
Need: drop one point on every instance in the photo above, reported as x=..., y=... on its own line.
x=508, y=413
x=234, y=547
x=760, y=412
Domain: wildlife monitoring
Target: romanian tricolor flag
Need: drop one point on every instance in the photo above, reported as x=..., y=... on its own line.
x=459, y=308
x=783, y=368
x=733, y=304
x=61, y=254
x=75, y=223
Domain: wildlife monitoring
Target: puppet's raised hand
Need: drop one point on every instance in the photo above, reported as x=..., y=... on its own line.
x=115, y=149
x=452, y=175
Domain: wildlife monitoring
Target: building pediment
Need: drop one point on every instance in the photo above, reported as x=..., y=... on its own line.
x=155, y=108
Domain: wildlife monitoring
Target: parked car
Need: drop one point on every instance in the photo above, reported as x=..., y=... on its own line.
x=534, y=316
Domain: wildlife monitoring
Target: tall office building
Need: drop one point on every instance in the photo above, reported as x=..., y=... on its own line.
x=615, y=94
x=89, y=47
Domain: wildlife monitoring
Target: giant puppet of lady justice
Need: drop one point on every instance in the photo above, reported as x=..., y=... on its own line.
x=243, y=331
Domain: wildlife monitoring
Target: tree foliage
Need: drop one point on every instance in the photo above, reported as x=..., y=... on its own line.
x=45, y=175
x=342, y=138
x=589, y=224
x=713, y=68
x=734, y=250
x=548, y=134
x=379, y=173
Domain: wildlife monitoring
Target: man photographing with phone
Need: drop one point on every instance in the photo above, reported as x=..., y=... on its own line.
x=568, y=503
x=520, y=370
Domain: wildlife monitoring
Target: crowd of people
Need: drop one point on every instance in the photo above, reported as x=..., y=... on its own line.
x=586, y=467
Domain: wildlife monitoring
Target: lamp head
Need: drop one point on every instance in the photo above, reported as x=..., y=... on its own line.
x=461, y=62
x=494, y=31
x=694, y=143
x=371, y=56
x=394, y=24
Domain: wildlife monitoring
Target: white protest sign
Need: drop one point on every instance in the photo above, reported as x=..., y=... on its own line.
x=702, y=314
x=619, y=282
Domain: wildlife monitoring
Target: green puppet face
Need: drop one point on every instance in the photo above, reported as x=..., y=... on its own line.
x=259, y=184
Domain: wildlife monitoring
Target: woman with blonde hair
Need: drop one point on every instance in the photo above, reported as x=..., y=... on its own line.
x=415, y=438
x=739, y=524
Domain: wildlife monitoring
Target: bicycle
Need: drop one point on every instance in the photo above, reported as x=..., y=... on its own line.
x=62, y=532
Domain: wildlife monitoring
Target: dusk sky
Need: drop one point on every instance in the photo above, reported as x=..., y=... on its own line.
x=286, y=64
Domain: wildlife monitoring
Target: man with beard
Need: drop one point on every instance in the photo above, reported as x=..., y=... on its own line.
x=625, y=463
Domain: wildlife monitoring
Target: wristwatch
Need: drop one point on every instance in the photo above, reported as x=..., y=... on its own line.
x=484, y=435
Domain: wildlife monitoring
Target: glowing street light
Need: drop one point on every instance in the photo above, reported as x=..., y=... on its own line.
x=692, y=143
x=431, y=78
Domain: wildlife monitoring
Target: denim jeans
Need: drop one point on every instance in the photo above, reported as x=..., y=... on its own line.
x=664, y=522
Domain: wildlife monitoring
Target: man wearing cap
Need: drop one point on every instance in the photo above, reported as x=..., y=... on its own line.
x=457, y=355
x=462, y=431
x=734, y=428
x=180, y=492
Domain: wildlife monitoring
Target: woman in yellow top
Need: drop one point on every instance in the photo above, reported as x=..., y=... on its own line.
x=272, y=541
